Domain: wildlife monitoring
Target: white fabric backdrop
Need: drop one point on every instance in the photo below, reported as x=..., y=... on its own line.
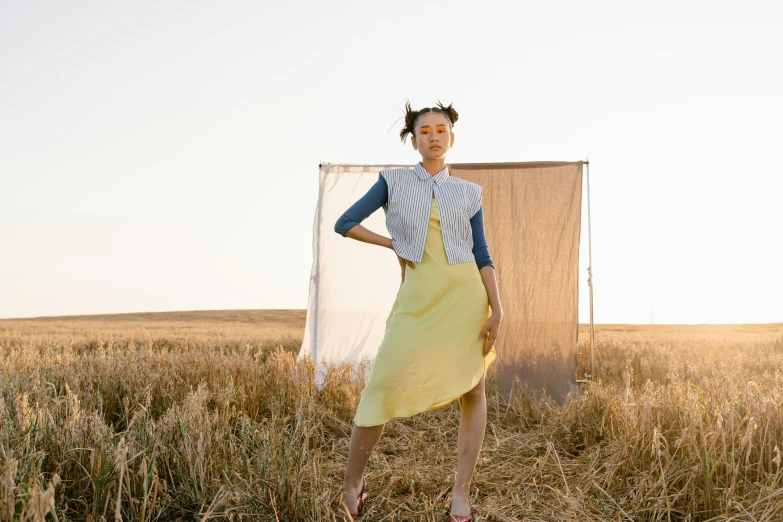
x=352, y=284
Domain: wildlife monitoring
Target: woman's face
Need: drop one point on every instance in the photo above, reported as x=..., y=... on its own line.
x=432, y=135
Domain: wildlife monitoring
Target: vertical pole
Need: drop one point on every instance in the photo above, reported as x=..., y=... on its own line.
x=317, y=254
x=590, y=278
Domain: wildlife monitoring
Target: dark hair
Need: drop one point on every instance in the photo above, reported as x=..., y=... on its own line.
x=411, y=116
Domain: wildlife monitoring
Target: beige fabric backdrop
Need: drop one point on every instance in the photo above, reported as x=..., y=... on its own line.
x=532, y=218
x=532, y=222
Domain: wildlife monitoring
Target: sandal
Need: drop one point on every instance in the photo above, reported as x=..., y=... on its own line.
x=363, y=496
x=460, y=518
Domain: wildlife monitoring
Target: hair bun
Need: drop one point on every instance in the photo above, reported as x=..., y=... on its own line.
x=450, y=112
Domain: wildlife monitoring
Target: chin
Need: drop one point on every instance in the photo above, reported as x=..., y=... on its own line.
x=434, y=154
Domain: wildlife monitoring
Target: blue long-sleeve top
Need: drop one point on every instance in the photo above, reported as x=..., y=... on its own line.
x=378, y=196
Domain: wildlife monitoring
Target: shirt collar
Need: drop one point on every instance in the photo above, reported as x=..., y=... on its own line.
x=439, y=178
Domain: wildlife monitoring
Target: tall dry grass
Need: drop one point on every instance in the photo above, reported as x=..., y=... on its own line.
x=210, y=420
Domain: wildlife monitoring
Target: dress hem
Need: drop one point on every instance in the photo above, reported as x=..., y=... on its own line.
x=437, y=405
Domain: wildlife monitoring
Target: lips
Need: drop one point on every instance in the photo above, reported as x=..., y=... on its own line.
x=435, y=147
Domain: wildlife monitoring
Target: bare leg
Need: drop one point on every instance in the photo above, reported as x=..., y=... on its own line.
x=469, y=439
x=363, y=440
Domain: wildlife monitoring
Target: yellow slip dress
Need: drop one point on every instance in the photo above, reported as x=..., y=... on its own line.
x=431, y=352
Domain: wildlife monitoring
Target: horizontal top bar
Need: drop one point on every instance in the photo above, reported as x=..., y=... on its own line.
x=516, y=165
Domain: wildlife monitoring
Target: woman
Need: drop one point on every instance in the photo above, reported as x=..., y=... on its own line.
x=438, y=343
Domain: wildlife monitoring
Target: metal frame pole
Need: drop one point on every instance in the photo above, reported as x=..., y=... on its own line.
x=590, y=277
x=317, y=255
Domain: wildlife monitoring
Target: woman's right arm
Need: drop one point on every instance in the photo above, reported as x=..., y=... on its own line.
x=348, y=225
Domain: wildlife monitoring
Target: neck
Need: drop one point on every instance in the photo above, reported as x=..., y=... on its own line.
x=433, y=166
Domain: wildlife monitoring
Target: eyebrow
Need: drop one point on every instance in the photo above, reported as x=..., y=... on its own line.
x=427, y=126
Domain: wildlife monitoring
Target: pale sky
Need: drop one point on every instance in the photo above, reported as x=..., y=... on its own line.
x=164, y=155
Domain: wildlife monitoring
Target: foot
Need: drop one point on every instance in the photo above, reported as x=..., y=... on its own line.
x=351, y=496
x=460, y=505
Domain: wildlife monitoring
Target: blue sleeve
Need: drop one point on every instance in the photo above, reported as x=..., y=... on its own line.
x=480, y=249
x=374, y=199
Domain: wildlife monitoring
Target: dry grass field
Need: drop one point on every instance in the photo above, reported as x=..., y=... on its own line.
x=208, y=416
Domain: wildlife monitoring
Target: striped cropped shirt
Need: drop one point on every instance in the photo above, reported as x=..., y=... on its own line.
x=406, y=197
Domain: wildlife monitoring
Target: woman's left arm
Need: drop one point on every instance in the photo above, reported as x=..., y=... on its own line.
x=492, y=327
x=488, y=276
x=487, y=271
